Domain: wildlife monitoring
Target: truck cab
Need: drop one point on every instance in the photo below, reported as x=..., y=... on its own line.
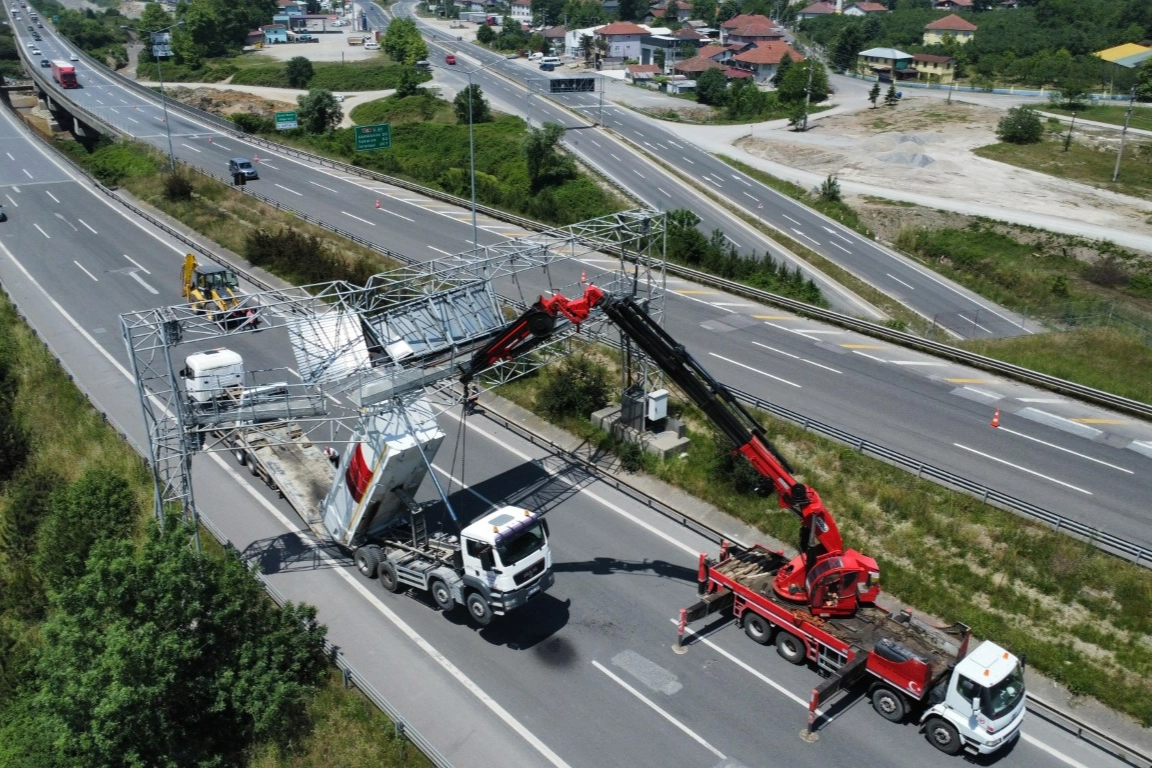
x=212, y=375
x=506, y=557
x=983, y=705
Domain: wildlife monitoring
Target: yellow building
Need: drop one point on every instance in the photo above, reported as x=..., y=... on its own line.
x=952, y=25
x=931, y=68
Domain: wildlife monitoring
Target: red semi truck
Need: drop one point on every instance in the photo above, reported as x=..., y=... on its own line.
x=64, y=74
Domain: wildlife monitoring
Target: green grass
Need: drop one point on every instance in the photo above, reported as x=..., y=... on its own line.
x=1082, y=162
x=1080, y=615
x=371, y=75
x=1113, y=114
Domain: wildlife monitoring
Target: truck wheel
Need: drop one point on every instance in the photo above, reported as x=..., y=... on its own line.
x=241, y=456
x=757, y=628
x=367, y=560
x=442, y=595
x=942, y=735
x=388, y=578
x=889, y=704
x=479, y=609
x=791, y=648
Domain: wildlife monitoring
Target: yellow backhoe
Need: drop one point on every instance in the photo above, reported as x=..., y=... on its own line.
x=215, y=291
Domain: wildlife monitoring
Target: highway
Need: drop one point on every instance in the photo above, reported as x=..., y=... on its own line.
x=585, y=676
x=913, y=285
x=1080, y=462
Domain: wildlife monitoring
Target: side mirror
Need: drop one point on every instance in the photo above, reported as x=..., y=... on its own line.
x=548, y=534
x=976, y=705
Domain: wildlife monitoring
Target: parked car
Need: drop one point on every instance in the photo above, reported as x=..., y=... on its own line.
x=449, y=59
x=535, y=56
x=338, y=96
x=372, y=46
x=547, y=67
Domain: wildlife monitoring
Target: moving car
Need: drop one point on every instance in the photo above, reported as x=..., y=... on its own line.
x=35, y=50
x=45, y=63
x=243, y=166
x=449, y=59
x=74, y=57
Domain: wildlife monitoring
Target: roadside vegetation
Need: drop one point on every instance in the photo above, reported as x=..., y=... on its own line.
x=93, y=597
x=1080, y=615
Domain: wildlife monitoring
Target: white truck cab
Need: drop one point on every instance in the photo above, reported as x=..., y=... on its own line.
x=506, y=557
x=212, y=374
x=983, y=705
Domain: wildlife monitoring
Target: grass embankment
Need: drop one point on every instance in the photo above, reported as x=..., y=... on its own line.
x=1081, y=616
x=1087, y=160
x=1112, y=114
x=69, y=439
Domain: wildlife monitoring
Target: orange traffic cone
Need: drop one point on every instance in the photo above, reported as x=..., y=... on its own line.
x=996, y=418
x=255, y=157
x=209, y=139
x=377, y=202
x=583, y=277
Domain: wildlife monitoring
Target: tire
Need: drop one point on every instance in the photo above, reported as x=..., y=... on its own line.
x=241, y=456
x=442, y=595
x=367, y=560
x=889, y=704
x=758, y=628
x=387, y=575
x=479, y=609
x=791, y=648
x=943, y=735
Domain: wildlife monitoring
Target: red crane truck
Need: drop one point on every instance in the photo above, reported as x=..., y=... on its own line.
x=64, y=74
x=819, y=606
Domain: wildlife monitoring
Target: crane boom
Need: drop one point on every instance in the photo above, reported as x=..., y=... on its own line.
x=823, y=570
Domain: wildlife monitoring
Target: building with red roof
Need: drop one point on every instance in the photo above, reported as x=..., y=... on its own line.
x=623, y=38
x=961, y=30
x=764, y=59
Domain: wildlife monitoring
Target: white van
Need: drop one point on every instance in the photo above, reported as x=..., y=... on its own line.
x=553, y=60
x=371, y=45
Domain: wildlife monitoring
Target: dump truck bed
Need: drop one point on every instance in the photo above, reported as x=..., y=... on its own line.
x=296, y=467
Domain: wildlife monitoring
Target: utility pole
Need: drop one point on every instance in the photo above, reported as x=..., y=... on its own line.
x=808, y=92
x=1068, y=138
x=1123, y=133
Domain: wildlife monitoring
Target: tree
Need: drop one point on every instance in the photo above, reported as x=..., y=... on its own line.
x=704, y=10
x=154, y=16
x=479, y=112
x=891, y=97
x=402, y=42
x=1020, y=126
x=659, y=58
x=588, y=47
x=163, y=657
x=846, y=47
x=781, y=69
x=546, y=13
x=794, y=84
x=579, y=388
x=319, y=111
x=408, y=83
x=729, y=9
x=874, y=94
x=746, y=100
x=485, y=35
x=797, y=114
x=1144, y=81
x=712, y=87
x=830, y=190
x=299, y=71
x=546, y=166
x=631, y=10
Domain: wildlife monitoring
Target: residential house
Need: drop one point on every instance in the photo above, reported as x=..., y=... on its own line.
x=555, y=38
x=888, y=64
x=693, y=67
x=953, y=5
x=764, y=59
x=641, y=73
x=815, y=11
x=931, y=68
x=961, y=30
x=275, y=33
x=521, y=11
x=623, y=38
x=755, y=32
x=864, y=9
x=668, y=42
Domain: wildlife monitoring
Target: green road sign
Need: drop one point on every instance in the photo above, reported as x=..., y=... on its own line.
x=373, y=137
x=286, y=121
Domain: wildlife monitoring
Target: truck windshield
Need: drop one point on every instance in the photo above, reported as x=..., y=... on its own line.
x=1000, y=699
x=516, y=549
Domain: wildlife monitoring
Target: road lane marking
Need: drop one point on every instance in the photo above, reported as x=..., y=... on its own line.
x=140, y=280
x=756, y=370
x=655, y=708
x=665, y=193
x=134, y=120
x=847, y=251
x=84, y=270
x=400, y=215
x=439, y=251
x=615, y=158
x=684, y=158
x=266, y=165
x=42, y=231
x=1066, y=450
x=1098, y=421
x=790, y=219
x=358, y=218
x=797, y=231
x=753, y=198
x=735, y=244
x=54, y=198
x=968, y=381
x=893, y=277
x=1040, y=399
x=229, y=149
x=1051, y=750
x=340, y=569
x=324, y=187
x=286, y=189
x=194, y=149
x=138, y=266
x=10, y=156
x=862, y=346
x=86, y=225
x=637, y=173
x=1022, y=469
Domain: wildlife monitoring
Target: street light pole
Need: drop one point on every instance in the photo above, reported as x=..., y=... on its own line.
x=472, y=161
x=161, y=47
x=1123, y=133
x=164, y=105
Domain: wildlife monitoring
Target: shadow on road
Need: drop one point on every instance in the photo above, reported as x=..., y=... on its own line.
x=606, y=566
x=292, y=551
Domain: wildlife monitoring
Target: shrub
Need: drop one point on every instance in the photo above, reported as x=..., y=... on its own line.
x=298, y=71
x=1020, y=126
x=252, y=123
x=178, y=187
x=579, y=387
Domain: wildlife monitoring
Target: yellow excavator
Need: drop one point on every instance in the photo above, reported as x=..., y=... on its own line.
x=215, y=291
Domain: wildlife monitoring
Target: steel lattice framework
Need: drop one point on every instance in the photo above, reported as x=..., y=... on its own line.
x=359, y=349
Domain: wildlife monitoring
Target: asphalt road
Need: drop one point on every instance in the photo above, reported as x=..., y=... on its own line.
x=1077, y=461
x=584, y=676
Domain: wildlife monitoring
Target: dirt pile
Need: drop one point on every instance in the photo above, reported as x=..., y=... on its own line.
x=223, y=103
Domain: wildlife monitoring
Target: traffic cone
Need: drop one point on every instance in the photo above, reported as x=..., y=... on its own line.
x=377, y=202
x=255, y=157
x=996, y=418
x=583, y=277
x=209, y=139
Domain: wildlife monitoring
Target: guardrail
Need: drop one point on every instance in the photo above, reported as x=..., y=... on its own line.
x=1085, y=732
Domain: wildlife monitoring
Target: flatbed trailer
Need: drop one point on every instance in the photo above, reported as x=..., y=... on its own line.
x=910, y=666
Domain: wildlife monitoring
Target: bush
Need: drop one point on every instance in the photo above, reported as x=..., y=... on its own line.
x=252, y=123
x=579, y=387
x=178, y=187
x=1020, y=126
x=304, y=258
x=112, y=162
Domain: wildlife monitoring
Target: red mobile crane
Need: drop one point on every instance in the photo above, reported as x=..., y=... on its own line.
x=818, y=606
x=830, y=580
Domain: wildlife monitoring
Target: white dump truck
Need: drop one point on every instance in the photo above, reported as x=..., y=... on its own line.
x=366, y=503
